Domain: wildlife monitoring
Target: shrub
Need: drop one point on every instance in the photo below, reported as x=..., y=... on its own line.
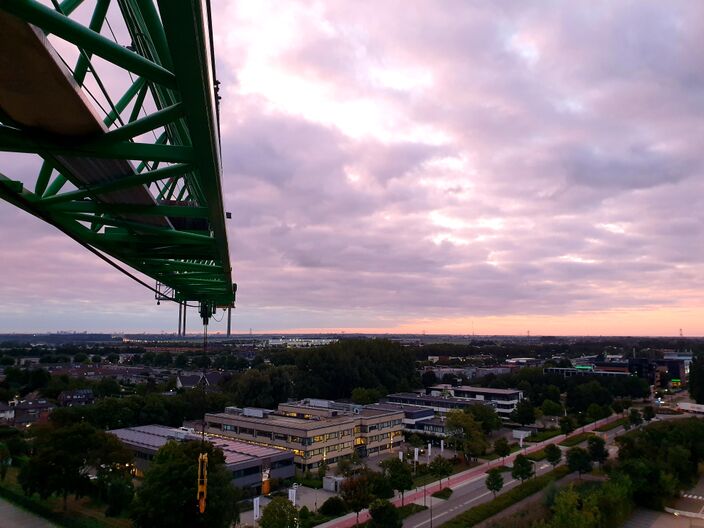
x=334, y=506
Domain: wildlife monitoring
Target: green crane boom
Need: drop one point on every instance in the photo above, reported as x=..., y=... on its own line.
x=137, y=180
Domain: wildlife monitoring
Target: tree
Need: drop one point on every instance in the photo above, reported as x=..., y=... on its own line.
x=279, y=513
x=648, y=413
x=522, y=468
x=167, y=496
x=5, y=458
x=502, y=448
x=596, y=412
x=696, y=378
x=524, y=413
x=356, y=493
x=578, y=460
x=440, y=467
x=107, y=387
x=465, y=434
x=617, y=406
x=399, y=475
x=117, y=491
x=551, y=408
x=485, y=416
x=62, y=458
x=553, y=454
x=567, y=424
x=333, y=507
x=322, y=470
x=414, y=440
x=364, y=396
x=567, y=512
x=428, y=378
x=597, y=450
x=494, y=481
x=384, y=515
x=634, y=417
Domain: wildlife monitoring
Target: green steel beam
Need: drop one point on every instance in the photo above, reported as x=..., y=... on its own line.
x=148, y=123
x=12, y=140
x=188, y=35
x=142, y=178
x=131, y=209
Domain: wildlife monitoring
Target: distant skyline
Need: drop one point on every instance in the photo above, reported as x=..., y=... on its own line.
x=397, y=167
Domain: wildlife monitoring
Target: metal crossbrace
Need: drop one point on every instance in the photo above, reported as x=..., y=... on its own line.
x=155, y=206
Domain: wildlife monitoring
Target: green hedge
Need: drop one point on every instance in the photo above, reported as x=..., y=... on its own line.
x=41, y=509
x=505, y=500
x=575, y=439
x=612, y=425
x=443, y=493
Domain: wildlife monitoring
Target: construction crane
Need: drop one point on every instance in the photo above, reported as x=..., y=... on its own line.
x=119, y=99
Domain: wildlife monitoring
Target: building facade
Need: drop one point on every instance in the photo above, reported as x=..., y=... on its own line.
x=315, y=431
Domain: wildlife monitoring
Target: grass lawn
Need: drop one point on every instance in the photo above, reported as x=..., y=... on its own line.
x=80, y=513
x=443, y=493
x=612, y=425
x=574, y=440
x=502, y=469
x=535, y=456
x=547, y=434
x=493, y=456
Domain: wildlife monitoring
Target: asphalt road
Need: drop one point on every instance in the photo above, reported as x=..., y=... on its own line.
x=464, y=496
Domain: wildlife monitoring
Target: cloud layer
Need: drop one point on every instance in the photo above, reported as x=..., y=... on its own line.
x=421, y=166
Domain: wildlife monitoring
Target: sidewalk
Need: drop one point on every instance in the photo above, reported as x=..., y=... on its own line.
x=12, y=516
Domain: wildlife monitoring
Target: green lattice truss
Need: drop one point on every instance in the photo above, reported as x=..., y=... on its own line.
x=154, y=205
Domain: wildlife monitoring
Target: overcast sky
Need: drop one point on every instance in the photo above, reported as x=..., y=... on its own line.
x=432, y=166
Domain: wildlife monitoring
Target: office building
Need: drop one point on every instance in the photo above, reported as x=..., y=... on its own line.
x=504, y=401
x=315, y=431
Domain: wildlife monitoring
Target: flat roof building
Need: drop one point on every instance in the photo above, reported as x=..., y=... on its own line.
x=315, y=431
x=249, y=464
x=439, y=404
x=503, y=400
